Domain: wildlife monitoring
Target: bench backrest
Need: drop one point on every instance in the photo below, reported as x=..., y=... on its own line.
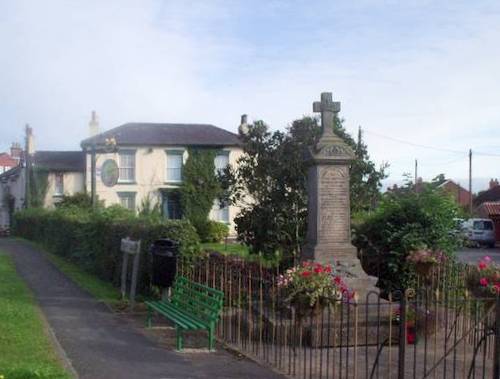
x=200, y=301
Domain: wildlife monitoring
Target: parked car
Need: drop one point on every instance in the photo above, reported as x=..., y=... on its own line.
x=481, y=231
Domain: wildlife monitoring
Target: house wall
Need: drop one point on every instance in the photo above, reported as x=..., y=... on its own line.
x=73, y=182
x=150, y=176
x=15, y=186
x=460, y=195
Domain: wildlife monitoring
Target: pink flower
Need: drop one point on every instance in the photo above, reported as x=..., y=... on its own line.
x=483, y=282
x=487, y=259
x=482, y=265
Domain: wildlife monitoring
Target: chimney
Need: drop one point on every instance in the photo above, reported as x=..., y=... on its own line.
x=16, y=151
x=243, y=128
x=30, y=140
x=93, y=124
x=493, y=183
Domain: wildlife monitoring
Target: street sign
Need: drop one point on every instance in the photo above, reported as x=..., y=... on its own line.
x=110, y=173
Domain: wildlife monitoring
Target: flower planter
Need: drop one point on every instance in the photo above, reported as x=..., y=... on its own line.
x=424, y=268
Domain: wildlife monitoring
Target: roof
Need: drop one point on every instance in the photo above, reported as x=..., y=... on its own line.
x=10, y=173
x=7, y=161
x=449, y=181
x=60, y=160
x=492, y=208
x=151, y=134
x=493, y=194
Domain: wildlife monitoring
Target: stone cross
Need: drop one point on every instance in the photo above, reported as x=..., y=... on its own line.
x=329, y=216
x=329, y=110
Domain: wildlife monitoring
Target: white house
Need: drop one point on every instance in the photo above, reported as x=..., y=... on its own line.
x=150, y=158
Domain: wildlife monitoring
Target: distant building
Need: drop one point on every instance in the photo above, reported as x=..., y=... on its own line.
x=9, y=161
x=64, y=170
x=460, y=194
x=487, y=205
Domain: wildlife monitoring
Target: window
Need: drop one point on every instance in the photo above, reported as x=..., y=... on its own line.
x=172, y=205
x=221, y=162
x=127, y=200
x=127, y=166
x=59, y=184
x=220, y=214
x=174, y=166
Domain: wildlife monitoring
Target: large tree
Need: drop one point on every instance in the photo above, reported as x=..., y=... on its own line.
x=270, y=183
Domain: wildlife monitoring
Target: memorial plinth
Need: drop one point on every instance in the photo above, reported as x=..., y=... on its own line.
x=329, y=214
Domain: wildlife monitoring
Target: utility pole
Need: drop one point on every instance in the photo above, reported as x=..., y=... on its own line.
x=93, y=175
x=416, y=175
x=27, y=167
x=470, y=181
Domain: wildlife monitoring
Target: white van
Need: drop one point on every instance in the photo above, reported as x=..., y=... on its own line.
x=481, y=231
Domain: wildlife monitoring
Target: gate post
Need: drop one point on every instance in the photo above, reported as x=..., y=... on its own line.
x=402, y=335
x=496, y=355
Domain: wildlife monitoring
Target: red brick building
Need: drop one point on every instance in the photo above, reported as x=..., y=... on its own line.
x=460, y=194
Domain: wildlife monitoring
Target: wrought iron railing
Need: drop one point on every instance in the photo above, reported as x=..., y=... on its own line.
x=433, y=330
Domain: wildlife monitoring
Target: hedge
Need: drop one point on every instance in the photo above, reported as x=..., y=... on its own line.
x=91, y=239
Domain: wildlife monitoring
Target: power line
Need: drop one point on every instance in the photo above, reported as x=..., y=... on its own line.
x=465, y=154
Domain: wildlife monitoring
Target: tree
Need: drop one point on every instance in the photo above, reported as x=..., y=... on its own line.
x=270, y=185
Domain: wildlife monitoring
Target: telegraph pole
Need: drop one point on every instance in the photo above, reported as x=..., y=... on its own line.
x=470, y=182
x=416, y=175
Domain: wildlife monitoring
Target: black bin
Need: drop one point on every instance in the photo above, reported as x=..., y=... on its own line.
x=165, y=253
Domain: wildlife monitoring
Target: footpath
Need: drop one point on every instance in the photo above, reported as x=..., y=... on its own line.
x=101, y=344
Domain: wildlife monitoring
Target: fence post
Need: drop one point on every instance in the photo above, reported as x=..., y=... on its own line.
x=402, y=335
x=496, y=355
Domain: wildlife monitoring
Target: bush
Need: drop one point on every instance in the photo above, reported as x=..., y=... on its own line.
x=91, y=239
x=212, y=231
x=404, y=222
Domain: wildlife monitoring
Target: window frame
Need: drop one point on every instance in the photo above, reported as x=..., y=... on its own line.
x=177, y=152
x=132, y=167
x=223, y=153
x=56, y=187
x=127, y=194
x=217, y=211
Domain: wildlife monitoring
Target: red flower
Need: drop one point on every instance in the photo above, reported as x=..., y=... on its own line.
x=483, y=282
x=318, y=270
x=305, y=274
x=328, y=269
x=337, y=280
x=482, y=265
x=497, y=287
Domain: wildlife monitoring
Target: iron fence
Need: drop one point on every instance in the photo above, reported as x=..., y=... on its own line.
x=432, y=330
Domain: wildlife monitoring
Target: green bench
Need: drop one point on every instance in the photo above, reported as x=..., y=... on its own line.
x=192, y=306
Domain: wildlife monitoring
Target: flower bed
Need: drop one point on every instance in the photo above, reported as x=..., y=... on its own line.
x=484, y=280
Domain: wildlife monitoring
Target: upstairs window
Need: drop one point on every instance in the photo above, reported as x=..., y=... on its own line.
x=59, y=184
x=174, y=166
x=221, y=162
x=126, y=166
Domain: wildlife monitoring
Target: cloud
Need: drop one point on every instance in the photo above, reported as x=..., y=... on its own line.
x=422, y=72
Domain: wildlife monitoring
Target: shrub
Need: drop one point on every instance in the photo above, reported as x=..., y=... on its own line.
x=403, y=223
x=91, y=239
x=214, y=232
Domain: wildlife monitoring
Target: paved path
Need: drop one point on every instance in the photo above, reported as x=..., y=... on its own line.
x=101, y=344
x=472, y=255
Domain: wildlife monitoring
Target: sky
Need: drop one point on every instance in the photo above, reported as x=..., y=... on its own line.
x=421, y=78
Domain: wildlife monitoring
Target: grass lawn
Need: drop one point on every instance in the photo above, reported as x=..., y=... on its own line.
x=100, y=289
x=25, y=349
x=229, y=249
x=242, y=251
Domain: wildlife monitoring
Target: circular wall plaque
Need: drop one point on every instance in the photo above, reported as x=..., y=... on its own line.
x=109, y=173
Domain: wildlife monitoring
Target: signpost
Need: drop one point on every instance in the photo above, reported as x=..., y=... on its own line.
x=130, y=248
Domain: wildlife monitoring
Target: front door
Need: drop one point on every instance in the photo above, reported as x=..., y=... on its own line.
x=171, y=205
